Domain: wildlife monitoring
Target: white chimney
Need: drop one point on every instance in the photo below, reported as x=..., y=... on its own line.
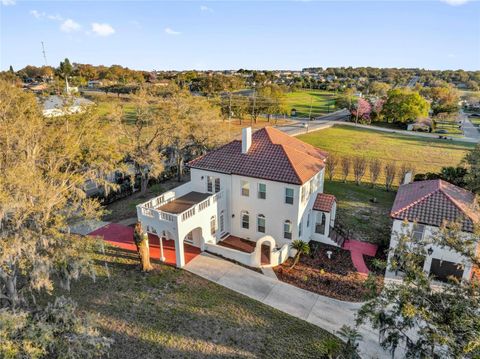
x=408, y=177
x=246, y=139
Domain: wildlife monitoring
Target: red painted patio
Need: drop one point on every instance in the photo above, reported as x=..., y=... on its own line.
x=122, y=236
x=357, y=250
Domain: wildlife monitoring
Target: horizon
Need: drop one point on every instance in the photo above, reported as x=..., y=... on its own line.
x=215, y=36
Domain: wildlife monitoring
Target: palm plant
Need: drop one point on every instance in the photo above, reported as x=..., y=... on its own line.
x=302, y=248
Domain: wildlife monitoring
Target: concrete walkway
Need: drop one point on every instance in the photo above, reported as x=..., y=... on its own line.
x=327, y=313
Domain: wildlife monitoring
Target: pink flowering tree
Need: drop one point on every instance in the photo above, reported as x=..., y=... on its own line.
x=377, y=109
x=364, y=110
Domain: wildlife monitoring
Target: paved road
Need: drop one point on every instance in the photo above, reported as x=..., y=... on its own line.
x=469, y=130
x=299, y=125
x=327, y=313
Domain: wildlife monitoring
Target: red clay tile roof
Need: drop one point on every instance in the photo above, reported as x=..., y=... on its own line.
x=434, y=202
x=273, y=155
x=324, y=202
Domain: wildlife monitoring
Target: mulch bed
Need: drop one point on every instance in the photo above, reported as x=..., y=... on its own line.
x=336, y=277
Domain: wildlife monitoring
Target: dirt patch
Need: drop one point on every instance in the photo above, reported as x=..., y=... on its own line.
x=335, y=277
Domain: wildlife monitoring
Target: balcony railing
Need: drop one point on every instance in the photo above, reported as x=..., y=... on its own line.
x=148, y=209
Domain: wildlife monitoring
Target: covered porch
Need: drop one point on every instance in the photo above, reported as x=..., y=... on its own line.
x=122, y=236
x=182, y=219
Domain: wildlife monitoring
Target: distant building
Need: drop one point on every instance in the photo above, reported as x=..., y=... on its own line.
x=54, y=106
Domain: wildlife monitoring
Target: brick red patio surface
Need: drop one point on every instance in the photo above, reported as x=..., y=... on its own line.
x=357, y=251
x=122, y=236
x=244, y=245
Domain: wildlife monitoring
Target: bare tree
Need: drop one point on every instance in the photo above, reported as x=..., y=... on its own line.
x=330, y=165
x=375, y=170
x=390, y=172
x=345, y=168
x=359, y=168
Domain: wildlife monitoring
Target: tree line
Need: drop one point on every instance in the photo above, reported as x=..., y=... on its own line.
x=357, y=166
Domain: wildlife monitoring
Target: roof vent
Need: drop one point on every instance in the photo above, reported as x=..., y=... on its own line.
x=246, y=139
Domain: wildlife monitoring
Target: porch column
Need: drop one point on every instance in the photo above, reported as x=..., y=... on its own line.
x=179, y=253
x=162, y=257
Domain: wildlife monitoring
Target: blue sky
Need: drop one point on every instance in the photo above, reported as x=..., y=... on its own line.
x=159, y=35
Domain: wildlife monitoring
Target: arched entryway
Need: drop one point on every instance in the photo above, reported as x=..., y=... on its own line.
x=263, y=250
x=195, y=238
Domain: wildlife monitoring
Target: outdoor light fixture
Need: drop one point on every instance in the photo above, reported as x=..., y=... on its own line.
x=430, y=251
x=329, y=254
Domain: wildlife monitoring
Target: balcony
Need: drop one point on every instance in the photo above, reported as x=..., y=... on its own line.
x=177, y=205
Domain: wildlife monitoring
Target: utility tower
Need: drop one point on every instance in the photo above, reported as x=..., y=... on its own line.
x=44, y=54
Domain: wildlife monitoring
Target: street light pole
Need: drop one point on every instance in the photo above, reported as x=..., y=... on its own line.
x=254, y=100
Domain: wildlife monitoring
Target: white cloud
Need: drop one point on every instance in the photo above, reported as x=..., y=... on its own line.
x=455, y=2
x=204, y=8
x=102, y=29
x=170, y=31
x=70, y=25
x=36, y=14
x=42, y=15
x=8, y=2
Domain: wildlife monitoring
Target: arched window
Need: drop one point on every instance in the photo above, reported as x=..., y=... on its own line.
x=261, y=223
x=222, y=222
x=287, y=229
x=213, y=225
x=245, y=219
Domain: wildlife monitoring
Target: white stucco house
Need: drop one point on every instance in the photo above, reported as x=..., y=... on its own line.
x=420, y=208
x=247, y=200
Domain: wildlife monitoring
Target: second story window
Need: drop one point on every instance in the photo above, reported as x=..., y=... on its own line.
x=287, y=229
x=289, y=195
x=308, y=218
x=418, y=231
x=245, y=188
x=261, y=223
x=210, y=184
x=217, y=185
x=245, y=219
x=262, y=191
x=300, y=229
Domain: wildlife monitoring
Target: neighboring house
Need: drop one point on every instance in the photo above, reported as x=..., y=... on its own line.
x=247, y=200
x=421, y=208
x=54, y=106
x=94, y=84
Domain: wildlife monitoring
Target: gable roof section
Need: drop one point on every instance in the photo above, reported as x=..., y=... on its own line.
x=273, y=156
x=324, y=202
x=435, y=201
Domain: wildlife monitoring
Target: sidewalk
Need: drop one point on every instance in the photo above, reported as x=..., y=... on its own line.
x=327, y=313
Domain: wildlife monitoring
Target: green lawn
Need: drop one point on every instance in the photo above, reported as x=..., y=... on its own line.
x=425, y=154
x=367, y=220
x=322, y=102
x=171, y=313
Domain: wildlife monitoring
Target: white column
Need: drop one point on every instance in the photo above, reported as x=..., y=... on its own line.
x=162, y=257
x=179, y=252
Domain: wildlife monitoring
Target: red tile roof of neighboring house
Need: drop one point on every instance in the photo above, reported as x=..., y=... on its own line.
x=273, y=155
x=324, y=202
x=435, y=201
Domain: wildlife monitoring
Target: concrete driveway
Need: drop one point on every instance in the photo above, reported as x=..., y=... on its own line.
x=327, y=313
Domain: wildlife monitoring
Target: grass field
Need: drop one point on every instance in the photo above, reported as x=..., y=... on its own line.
x=425, y=154
x=369, y=221
x=171, y=313
x=322, y=102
